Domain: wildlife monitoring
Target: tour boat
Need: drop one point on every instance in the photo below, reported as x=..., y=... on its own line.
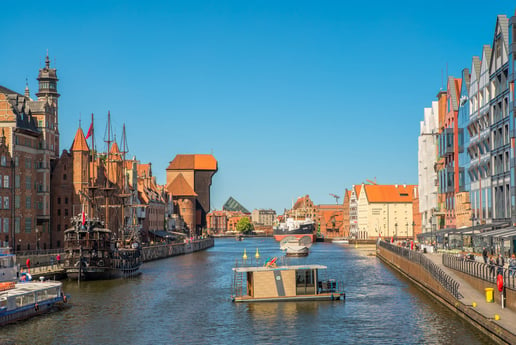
x=340, y=241
x=283, y=283
x=294, y=246
x=23, y=298
x=93, y=253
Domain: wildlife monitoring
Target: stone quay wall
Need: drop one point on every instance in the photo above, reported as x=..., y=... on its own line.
x=157, y=252
x=149, y=253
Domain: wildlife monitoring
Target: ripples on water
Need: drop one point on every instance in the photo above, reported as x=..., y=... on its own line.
x=186, y=300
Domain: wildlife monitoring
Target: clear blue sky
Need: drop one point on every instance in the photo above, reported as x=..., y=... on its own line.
x=291, y=97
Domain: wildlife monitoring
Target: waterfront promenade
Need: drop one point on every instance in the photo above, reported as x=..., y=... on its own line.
x=468, y=302
x=470, y=295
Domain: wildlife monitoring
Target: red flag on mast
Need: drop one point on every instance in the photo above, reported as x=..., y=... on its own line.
x=90, y=130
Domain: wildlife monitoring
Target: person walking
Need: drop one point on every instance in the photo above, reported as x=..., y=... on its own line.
x=512, y=265
x=500, y=262
x=492, y=264
x=484, y=255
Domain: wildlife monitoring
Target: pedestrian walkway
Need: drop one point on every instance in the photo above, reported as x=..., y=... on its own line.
x=488, y=310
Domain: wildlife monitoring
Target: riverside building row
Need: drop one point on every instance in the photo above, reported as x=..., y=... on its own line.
x=41, y=188
x=466, y=152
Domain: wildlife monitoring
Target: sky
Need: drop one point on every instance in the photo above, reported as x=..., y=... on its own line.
x=291, y=97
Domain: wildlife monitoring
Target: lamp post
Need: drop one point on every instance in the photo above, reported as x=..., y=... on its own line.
x=413, y=226
x=396, y=233
x=473, y=219
x=432, y=229
x=406, y=238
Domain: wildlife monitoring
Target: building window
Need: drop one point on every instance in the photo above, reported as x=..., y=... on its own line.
x=3, y=161
x=59, y=201
x=58, y=227
x=17, y=225
x=16, y=201
x=6, y=181
x=17, y=181
x=64, y=176
x=6, y=225
x=66, y=201
x=27, y=182
x=28, y=163
x=6, y=202
x=28, y=225
x=27, y=202
x=58, y=211
x=66, y=212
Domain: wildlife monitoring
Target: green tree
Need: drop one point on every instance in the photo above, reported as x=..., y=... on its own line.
x=244, y=225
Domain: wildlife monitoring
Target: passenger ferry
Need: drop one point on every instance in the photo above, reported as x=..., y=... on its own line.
x=22, y=298
x=283, y=283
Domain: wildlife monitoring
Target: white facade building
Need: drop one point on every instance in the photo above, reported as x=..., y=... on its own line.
x=427, y=159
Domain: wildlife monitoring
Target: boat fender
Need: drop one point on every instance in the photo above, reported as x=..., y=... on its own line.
x=64, y=297
x=36, y=307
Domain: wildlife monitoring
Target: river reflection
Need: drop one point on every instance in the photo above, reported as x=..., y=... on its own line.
x=186, y=300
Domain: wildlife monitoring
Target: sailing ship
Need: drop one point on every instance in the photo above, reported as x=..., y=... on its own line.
x=92, y=250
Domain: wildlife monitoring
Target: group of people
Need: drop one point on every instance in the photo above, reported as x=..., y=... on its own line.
x=499, y=262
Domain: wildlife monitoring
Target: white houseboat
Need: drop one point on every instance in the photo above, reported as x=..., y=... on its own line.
x=283, y=283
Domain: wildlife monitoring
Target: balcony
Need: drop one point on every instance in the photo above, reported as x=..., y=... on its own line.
x=446, y=143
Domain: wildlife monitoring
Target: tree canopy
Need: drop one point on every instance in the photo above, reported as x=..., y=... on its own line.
x=244, y=225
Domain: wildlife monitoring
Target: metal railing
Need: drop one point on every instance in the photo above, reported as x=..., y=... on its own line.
x=437, y=273
x=480, y=270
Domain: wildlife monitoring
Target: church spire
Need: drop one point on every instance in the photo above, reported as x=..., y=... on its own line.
x=27, y=92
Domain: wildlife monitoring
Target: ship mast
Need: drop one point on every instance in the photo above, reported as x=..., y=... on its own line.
x=108, y=141
x=125, y=150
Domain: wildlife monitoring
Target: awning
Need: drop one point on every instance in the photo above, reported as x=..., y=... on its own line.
x=498, y=232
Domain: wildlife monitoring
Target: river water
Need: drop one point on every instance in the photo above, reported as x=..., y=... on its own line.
x=186, y=300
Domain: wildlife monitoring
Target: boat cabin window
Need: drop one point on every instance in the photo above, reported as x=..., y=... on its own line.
x=305, y=282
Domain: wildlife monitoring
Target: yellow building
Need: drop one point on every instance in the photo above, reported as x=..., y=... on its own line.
x=386, y=211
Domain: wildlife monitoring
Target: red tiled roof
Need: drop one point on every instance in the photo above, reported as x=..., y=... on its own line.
x=389, y=193
x=193, y=162
x=79, y=142
x=115, y=152
x=179, y=187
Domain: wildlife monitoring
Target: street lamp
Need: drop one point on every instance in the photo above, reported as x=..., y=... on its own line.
x=406, y=238
x=396, y=233
x=413, y=232
x=473, y=220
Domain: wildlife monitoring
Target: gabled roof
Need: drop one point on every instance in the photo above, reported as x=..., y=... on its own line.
x=7, y=91
x=389, y=193
x=503, y=22
x=453, y=88
x=302, y=202
x=79, y=142
x=358, y=188
x=233, y=205
x=179, y=187
x=475, y=68
x=193, y=162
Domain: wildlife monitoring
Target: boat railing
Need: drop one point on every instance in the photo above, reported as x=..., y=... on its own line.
x=330, y=285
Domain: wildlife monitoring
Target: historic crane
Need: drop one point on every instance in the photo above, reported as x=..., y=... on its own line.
x=336, y=197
